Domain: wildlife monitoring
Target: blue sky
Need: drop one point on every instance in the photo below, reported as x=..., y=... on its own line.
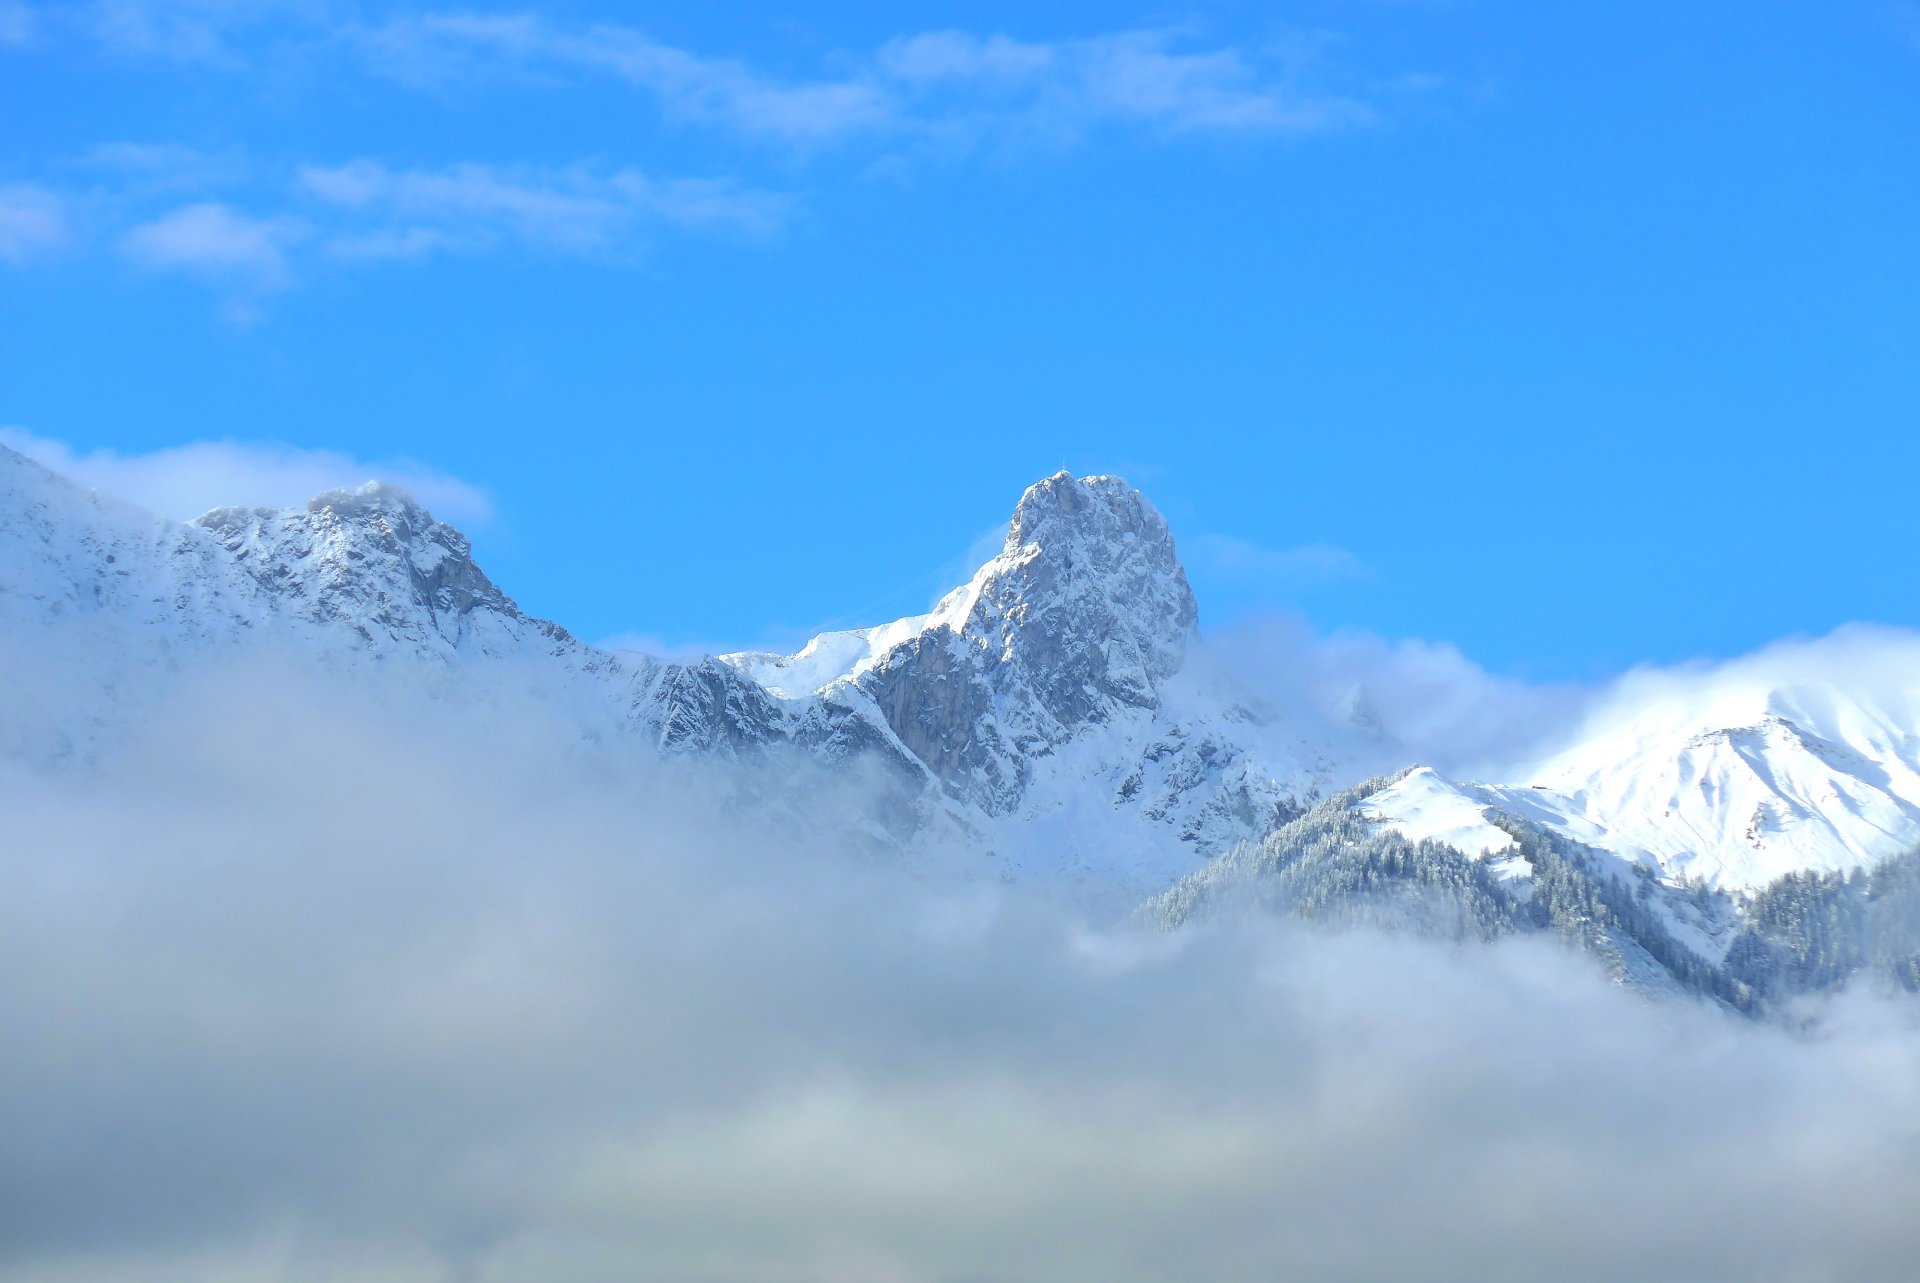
x=1576, y=334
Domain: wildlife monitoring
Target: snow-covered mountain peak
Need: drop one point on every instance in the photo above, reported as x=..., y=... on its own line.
x=375, y=560
x=1064, y=509
x=1060, y=672
x=1088, y=578
x=1803, y=758
x=1088, y=586
x=373, y=501
x=375, y=511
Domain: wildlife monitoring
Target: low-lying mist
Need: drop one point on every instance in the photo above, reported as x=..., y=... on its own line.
x=316, y=981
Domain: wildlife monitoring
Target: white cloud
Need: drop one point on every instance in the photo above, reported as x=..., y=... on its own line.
x=333, y=979
x=934, y=83
x=1148, y=77
x=210, y=239
x=438, y=47
x=1391, y=702
x=33, y=221
x=938, y=84
x=1877, y=665
x=365, y=211
x=580, y=210
x=186, y=480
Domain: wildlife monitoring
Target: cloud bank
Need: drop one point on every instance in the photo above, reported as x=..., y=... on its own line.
x=315, y=981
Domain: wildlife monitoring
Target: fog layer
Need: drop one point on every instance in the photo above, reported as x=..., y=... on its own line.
x=312, y=982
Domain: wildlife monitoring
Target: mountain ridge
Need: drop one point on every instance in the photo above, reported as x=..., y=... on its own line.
x=1059, y=704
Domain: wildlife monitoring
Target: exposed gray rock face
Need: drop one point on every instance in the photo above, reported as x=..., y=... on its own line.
x=1086, y=612
x=1087, y=607
x=707, y=707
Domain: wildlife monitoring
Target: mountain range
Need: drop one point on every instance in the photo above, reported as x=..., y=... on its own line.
x=1062, y=712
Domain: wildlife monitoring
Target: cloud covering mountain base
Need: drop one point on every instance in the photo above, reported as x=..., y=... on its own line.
x=304, y=984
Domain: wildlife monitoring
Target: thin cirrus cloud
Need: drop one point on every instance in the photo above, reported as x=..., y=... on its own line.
x=249, y=228
x=388, y=212
x=945, y=84
x=942, y=83
x=441, y=48
x=365, y=210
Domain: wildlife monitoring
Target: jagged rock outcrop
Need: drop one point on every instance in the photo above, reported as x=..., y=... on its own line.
x=1085, y=613
x=374, y=564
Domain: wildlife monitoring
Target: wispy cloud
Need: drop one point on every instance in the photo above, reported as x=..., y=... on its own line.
x=438, y=48
x=409, y=212
x=33, y=220
x=1150, y=77
x=211, y=240
x=252, y=225
x=184, y=481
x=942, y=83
x=938, y=82
x=251, y=231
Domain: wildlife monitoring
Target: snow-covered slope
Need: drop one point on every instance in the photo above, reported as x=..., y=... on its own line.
x=1742, y=779
x=1421, y=806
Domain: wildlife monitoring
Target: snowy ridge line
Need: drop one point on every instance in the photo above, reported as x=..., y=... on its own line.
x=1059, y=704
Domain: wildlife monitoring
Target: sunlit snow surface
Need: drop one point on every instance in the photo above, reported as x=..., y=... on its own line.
x=1738, y=776
x=1421, y=806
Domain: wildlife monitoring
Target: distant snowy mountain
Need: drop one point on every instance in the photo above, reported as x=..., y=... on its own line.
x=1739, y=786
x=1058, y=707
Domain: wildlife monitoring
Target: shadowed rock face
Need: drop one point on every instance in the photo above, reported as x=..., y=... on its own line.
x=1085, y=612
